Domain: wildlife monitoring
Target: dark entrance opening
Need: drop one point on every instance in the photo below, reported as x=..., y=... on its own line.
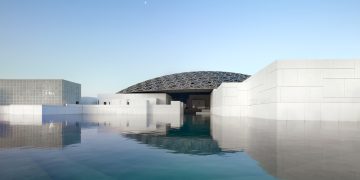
x=193, y=101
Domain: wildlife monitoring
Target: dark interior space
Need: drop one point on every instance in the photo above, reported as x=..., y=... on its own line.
x=193, y=101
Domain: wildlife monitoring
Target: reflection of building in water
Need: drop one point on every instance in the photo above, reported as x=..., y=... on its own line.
x=49, y=135
x=295, y=149
x=230, y=134
x=134, y=123
x=192, y=138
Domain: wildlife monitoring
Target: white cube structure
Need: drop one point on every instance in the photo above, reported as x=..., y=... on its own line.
x=327, y=90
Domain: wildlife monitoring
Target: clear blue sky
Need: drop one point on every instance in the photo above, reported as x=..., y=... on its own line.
x=108, y=45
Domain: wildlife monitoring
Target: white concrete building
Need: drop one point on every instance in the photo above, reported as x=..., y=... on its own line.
x=39, y=91
x=312, y=90
x=149, y=106
x=326, y=90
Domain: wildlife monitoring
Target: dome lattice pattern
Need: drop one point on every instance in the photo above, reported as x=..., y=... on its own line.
x=198, y=80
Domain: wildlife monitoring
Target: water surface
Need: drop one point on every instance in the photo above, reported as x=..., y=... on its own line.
x=193, y=147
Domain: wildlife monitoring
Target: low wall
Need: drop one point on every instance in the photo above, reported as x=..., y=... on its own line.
x=21, y=109
x=68, y=109
x=116, y=109
x=139, y=108
x=125, y=99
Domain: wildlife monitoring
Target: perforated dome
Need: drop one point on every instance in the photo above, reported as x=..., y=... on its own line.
x=197, y=81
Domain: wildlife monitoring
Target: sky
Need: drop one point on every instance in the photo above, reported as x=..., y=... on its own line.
x=108, y=45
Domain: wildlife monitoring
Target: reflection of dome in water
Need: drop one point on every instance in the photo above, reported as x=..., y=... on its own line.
x=193, y=137
x=187, y=81
x=184, y=145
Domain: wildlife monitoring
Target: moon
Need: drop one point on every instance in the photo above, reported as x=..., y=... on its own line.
x=145, y=2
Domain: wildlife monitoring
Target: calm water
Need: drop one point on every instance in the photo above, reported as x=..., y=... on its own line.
x=193, y=147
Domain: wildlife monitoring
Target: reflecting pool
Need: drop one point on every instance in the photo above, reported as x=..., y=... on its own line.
x=190, y=147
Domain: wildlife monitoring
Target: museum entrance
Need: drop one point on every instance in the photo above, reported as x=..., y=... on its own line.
x=193, y=101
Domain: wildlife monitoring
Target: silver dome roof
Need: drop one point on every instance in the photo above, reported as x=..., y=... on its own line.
x=198, y=81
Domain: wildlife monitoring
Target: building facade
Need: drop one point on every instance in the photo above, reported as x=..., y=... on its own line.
x=191, y=88
x=306, y=90
x=39, y=91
